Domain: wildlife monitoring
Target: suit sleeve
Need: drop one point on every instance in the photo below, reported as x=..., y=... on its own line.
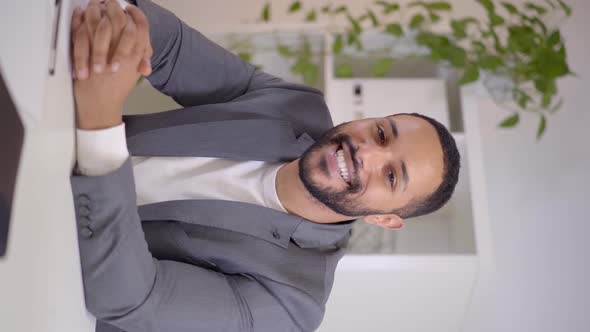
x=192, y=69
x=125, y=286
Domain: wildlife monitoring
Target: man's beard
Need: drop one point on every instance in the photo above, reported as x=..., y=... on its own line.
x=340, y=201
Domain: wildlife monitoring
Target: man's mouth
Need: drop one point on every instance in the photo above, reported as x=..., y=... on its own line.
x=345, y=171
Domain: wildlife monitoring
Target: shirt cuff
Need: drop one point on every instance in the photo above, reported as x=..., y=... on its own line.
x=102, y=151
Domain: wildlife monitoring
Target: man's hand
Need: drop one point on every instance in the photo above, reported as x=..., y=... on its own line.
x=101, y=33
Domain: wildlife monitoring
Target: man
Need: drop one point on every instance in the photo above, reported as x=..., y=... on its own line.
x=231, y=213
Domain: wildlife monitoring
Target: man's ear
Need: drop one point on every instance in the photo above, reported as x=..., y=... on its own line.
x=387, y=221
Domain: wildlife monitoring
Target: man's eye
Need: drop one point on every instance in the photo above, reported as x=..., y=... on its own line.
x=391, y=178
x=381, y=135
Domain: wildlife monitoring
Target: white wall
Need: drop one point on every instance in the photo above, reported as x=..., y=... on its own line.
x=539, y=192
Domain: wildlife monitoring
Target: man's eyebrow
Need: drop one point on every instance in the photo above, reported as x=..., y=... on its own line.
x=393, y=127
x=405, y=175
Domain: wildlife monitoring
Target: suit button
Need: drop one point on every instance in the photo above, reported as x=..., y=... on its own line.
x=83, y=199
x=85, y=221
x=276, y=234
x=84, y=210
x=86, y=232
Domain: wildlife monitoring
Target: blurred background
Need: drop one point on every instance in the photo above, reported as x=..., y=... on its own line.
x=508, y=253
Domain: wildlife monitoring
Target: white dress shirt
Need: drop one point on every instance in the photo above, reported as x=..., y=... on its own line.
x=159, y=179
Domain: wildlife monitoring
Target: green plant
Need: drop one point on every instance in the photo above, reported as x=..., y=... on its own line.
x=514, y=43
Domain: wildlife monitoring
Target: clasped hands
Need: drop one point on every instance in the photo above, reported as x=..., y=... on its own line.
x=111, y=49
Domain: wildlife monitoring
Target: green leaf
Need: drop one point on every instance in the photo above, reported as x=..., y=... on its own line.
x=343, y=71
x=356, y=27
x=567, y=9
x=458, y=29
x=246, y=56
x=459, y=26
x=554, y=39
x=337, y=45
x=546, y=100
x=299, y=66
x=439, y=5
x=522, y=39
x=284, y=51
x=456, y=56
x=417, y=21
x=434, y=17
x=266, y=12
x=326, y=8
x=382, y=67
x=487, y=4
x=310, y=74
x=394, y=29
x=391, y=8
x=510, y=8
x=496, y=20
x=311, y=16
x=470, y=75
x=510, y=121
x=387, y=7
x=340, y=9
x=542, y=126
x=295, y=6
x=546, y=86
x=490, y=62
x=373, y=18
x=431, y=40
x=536, y=8
x=550, y=64
x=353, y=39
x=521, y=98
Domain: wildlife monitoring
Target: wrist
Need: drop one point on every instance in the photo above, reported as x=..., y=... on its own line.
x=98, y=120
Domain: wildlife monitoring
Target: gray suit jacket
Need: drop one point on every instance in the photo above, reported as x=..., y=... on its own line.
x=207, y=265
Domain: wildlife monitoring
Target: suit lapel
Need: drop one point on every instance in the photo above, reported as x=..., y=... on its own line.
x=268, y=224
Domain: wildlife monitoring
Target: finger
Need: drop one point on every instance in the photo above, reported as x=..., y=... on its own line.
x=117, y=16
x=145, y=66
x=100, y=45
x=126, y=44
x=81, y=52
x=144, y=44
x=77, y=16
x=92, y=16
x=76, y=20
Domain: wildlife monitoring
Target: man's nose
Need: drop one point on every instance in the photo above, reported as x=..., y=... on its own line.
x=370, y=156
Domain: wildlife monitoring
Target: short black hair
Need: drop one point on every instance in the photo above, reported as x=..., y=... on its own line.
x=451, y=166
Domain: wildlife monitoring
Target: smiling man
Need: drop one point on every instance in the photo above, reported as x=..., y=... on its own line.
x=231, y=213
x=380, y=169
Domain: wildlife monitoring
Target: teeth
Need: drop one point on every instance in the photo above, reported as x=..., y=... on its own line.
x=342, y=165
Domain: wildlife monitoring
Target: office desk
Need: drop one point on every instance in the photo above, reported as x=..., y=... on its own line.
x=40, y=277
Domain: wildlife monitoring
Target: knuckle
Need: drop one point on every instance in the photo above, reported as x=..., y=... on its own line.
x=99, y=53
x=79, y=61
x=119, y=19
x=79, y=57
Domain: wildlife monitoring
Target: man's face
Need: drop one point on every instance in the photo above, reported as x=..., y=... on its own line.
x=373, y=166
